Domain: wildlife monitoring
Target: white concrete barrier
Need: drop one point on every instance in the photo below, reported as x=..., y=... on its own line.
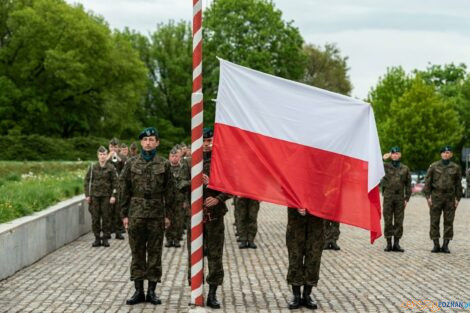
x=27, y=239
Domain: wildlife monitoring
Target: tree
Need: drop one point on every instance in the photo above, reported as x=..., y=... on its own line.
x=420, y=121
x=251, y=33
x=327, y=69
x=65, y=73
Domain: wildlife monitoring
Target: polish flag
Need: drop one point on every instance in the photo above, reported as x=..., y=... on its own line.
x=284, y=142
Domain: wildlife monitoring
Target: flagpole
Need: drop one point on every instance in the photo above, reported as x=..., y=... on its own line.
x=197, y=265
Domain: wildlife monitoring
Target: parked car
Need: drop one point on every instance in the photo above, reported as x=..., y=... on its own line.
x=417, y=181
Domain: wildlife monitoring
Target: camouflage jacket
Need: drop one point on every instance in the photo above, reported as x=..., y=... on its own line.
x=220, y=209
x=397, y=181
x=146, y=188
x=443, y=180
x=101, y=181
x=119, y=165
x=182, y=180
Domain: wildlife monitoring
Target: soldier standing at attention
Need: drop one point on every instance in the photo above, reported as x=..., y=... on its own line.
x=115, y=159
x=100, y=192
x=214, y=229
x=396, y=190
x=248, y=224
x=124, y=152
x=146, y=189
x=331, y=232
x=304, y=239
x=443, y=191
x=133, y=150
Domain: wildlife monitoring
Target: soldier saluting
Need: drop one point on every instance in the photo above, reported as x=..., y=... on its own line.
x=443, y=191
x=396, y=189
x=147, y=192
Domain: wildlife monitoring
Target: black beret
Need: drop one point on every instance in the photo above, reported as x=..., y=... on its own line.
x=207, y=132
x=395, y=149
x=149, y=131
x=446, y=148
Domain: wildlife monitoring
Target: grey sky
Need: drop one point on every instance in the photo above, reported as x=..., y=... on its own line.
x=374, y=34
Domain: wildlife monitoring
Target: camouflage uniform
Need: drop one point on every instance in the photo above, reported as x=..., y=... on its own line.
x=247, y=216
x=396, y=189
x=331, y=231
x=147, y=194
x=100, y=184
x=115, y=209
x=305, y=240
x=443, y=185
x=182, y=180
x=236, y=216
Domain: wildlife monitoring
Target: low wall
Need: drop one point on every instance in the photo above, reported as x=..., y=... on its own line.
x=25, y=240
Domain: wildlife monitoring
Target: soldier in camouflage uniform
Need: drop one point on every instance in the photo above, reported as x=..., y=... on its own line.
x=396, y=190
x=115, y=159
x=305, y=240
x=214, y=230
x=248, y=225
x=100, y=187
x=332, y=232
x=147, y=194
x=133, y=150
x=443, y=191
x=182, y=180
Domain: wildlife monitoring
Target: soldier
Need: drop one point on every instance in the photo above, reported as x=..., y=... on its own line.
x=396, y=190
x=124, y=152
x=100, y=191
x=214, y=211
x=443, y=191
x=117, y=161
x=182, y=180
x=248, y=216
x=146, y=189
x=133, y=150
x=304, y=239
x=332, y=232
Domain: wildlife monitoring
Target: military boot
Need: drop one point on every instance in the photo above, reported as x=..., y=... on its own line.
x=119, y=236
x=326, y=246
x=105, y=242
x=176, y=244
x=151, y=295
x=138, y=296
x=169, y=243
x=388, y=248
x=97, y=242
x=334, y=246
x=296, y=301
x=445, y=246
x=396, y=245
x=436, y=247
x=307, y=299
x=243, y=244
x=212, y=297
x=251, y=245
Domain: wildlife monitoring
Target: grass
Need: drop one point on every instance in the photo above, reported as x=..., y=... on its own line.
x=28, y=187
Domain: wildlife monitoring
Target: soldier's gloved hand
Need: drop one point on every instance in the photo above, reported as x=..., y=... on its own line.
x=167, y=223
x=112, y=200
x=88, y=200
x=125, y=223
x=302, y=212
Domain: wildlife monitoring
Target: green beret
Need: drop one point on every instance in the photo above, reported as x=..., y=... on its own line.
x=114, y=142
x=207, y=132
x=446, y=148
x=149, y=131
x=174, y=151
x=395, y=149
x=102, y=149
x=123, y=145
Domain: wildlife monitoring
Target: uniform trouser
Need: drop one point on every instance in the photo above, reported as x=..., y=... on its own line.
x=115, y=216
x=175, y=231
x=100, y=220
x=394, y=214
x=445, y=206
x=146, y=240
x=305, y=240
x=248, y=215
x=236, y=214
x=331, y=230
x=214, y=232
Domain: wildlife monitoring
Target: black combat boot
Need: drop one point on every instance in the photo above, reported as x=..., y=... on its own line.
x=105, y=242
x=334, y=246
x=389, y=247
x=396, y=245
x=326, y=246
x=119, y=236
x=169, y=243
x=445, y=246
x=251, y=245
x=139, y=295
x=176, y=244
x=436, y=247
x=151, y=295
x=212, y=297
x=97, y=242
x=243, y=244
x=296, y=301
x=307, y=299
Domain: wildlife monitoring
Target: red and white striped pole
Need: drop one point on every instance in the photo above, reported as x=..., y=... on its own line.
x=197, y=265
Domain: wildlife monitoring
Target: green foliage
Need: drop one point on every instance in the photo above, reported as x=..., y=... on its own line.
x=420, y=121
x=327, y=69
x=251, y=33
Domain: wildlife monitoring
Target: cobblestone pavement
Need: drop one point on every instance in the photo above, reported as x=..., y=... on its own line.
x=359, y=278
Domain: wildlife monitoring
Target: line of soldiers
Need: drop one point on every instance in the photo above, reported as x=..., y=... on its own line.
x=442, y=190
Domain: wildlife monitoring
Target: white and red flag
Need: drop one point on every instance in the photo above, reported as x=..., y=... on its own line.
x=288, y=143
